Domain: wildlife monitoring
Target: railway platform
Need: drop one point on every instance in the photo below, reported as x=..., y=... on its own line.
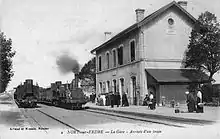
x=211, y=115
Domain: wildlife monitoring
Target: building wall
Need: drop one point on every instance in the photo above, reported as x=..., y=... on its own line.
x=158, y=45
x=125, y=41
x=125, y=71
x=165, y=44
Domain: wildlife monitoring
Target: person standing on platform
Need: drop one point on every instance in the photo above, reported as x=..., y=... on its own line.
x=146, y=100
x=123, y=99
x=187, y=100
x=117, y=98
x=151, y=103
x=191, y=102
x=199, y=103
x=112, y=98
x=126, y=100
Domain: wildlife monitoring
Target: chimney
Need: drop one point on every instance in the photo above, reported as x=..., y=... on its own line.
x=29, y=85
x=53, y=86
x=139, y=14
x=107, y=35
x=183, y=4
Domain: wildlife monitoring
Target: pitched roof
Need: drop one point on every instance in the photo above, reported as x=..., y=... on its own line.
x=146, y=20
x=177, y=75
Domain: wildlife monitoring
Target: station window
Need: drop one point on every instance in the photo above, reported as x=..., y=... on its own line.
x=114, y=86
x=107, y=60
x=100, y=63
x=108, y=86
x=100, y=87
x=114, y=58
x=120, y=55
x=132, y=52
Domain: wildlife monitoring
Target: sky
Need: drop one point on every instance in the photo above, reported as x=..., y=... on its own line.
x=42, y=30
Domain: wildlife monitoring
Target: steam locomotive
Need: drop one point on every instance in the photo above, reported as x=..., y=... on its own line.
x=67, y=95
x=26, y=94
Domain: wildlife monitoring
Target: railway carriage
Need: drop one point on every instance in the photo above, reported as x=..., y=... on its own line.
x=67, y=95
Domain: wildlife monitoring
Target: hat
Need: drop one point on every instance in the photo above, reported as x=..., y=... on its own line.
x=186, y=92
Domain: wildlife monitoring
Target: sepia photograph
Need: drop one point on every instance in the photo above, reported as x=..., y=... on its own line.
x=110, y=69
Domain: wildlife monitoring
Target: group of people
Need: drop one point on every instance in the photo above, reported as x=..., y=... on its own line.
x=113, y=99
x=194, y=100
x=150, y=101
x=92, y=97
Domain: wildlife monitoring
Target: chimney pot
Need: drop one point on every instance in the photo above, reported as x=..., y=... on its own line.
x=139, y=14
x=107, y=35
x=183, y=4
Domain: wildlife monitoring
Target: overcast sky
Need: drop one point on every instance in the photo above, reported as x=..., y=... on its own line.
x=41, y=30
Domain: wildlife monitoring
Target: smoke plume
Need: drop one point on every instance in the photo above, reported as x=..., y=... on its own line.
x=67, y=64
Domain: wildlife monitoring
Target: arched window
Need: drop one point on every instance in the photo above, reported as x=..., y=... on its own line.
x=100, y=87
x=122, y=90
x=114, y=57
x=120, y=55
x=114, y=86
x=107, y=59
x=100, y=63
x=132, y=50
x=108, y=87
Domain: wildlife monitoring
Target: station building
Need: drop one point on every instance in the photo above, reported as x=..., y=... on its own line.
x=146, y=57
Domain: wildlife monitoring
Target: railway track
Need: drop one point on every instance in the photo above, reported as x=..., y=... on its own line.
x=134, y=118
x=68, y=125
x=24, y=112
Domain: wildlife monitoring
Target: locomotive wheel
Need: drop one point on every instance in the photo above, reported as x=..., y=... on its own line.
x=55, y=103
x=31, y=105
x=73, y=107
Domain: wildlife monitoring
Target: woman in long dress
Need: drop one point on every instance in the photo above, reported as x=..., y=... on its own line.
x=191, y=102
x=151, y=103
x=199, y=102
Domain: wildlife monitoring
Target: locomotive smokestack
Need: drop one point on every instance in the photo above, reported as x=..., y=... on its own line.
x=76, y=82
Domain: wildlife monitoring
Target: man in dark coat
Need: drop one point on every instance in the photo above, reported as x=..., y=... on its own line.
x=112, y=98
x=117, y=99
x=191, y=102
x=146, y=100
x=124, y=100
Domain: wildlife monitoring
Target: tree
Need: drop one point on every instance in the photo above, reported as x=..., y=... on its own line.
x=88, y=72
x=203, y=51
x=6, y=55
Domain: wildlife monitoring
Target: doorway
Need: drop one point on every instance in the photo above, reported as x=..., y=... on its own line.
x=134, y=92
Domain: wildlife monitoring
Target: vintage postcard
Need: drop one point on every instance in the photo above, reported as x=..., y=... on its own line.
x=109, y=69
